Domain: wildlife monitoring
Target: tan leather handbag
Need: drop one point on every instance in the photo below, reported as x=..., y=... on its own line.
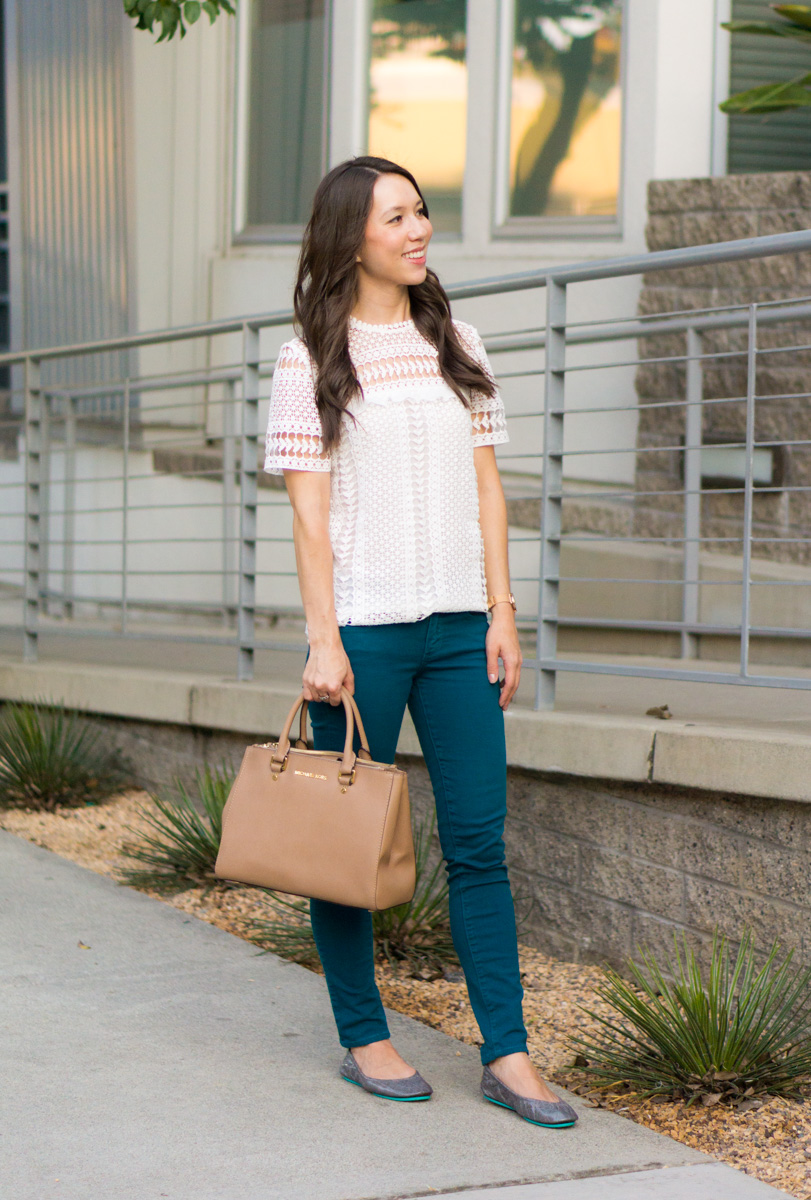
x=335, y=826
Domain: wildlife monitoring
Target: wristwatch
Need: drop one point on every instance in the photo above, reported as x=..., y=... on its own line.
x=491, y=600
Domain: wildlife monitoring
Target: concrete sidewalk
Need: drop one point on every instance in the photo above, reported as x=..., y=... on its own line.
x=148, y=1054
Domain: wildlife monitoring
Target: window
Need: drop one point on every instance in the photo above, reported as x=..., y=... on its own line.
x=285, y=61
x=562, y=111
x=418, y=98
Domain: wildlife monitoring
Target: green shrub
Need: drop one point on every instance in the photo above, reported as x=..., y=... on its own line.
x=179, y=845
x=417, y=933
x=742, y=1031
x=51, y=757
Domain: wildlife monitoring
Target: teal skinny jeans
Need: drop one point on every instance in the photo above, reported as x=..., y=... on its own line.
x=436, y=666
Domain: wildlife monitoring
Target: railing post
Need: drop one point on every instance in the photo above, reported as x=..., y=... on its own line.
x=228, y=471
x=748, y=487
x=69, y=520
x=551, y=489
x=45, y=502
x=692, y=491
x=125, y=471
x=33, y=470
x=246, y=603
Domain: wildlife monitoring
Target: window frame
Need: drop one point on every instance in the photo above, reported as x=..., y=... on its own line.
x=243, y=233
x=507, y=228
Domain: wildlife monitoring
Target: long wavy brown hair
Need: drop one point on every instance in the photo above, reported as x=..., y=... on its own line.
x=326, y=291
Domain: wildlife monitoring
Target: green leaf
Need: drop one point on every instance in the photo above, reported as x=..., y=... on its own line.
x=767, y=29
x=211, y=10
x=191, y=11
x=771, y=97
x=800, y=14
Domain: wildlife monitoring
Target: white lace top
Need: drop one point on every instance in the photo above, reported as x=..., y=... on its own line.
x=404, y=506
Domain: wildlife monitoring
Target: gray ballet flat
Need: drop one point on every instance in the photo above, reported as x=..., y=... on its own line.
x=412, y=1088
x=557, y=1115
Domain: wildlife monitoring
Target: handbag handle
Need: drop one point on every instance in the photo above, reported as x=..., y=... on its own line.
x=346, y=775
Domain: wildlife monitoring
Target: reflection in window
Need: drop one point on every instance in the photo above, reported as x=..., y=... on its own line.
x=418, y=102
x=286, y=125
x=565, y=112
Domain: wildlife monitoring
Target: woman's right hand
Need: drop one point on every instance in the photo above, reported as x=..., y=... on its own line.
x=326, y=671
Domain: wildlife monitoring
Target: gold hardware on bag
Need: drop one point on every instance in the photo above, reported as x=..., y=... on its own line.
x=279, y=770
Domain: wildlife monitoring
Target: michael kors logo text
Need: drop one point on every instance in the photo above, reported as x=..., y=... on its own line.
x=309, y=774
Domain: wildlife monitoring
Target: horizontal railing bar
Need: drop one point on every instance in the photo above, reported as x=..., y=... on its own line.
x=147, y=383
x=696, y=627
x=762, y=489
x=685, y=676
x=115, y=508
x=215, y=608
x=636, y=449
x=156, y=337
x=637, y=264
x=218, y=571
x=149, y=541
x=648, y=406
x=667, y=539
x=633, y=328
x=764, y=350
x=784, y=396
x=680, y=582
x=157, y=636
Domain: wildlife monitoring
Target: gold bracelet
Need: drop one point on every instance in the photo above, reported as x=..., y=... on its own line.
x=493, y=600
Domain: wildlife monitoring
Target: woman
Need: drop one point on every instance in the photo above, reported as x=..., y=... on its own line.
x=383, y=418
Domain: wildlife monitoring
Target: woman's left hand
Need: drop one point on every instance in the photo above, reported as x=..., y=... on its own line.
x=502, y=642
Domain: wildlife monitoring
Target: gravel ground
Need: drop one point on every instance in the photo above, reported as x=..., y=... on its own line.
x=772, y=1142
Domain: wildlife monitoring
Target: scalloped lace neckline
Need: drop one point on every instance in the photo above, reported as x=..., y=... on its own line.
x=367, y=326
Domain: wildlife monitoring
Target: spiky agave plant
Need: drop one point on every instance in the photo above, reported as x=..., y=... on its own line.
x=741, y=1031
x=177, y=845
x=417, y=932
x=51, y=757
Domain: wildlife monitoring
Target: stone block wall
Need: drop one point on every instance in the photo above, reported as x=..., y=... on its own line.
x=692, y=212
x=615, y=865
x=598, y=867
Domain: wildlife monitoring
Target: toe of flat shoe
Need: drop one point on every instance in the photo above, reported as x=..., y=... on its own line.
x=413, y=1087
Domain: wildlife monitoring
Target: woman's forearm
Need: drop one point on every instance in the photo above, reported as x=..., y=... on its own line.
x=314, y=564
x=493, y=522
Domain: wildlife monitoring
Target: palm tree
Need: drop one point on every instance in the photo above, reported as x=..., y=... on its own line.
x=786, y=94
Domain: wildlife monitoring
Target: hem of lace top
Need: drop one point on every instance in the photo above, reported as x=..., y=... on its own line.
x=400, y=619
x=277, y=466
x=495, y=438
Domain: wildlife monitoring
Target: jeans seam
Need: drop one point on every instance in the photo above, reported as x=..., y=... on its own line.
x=472, y=942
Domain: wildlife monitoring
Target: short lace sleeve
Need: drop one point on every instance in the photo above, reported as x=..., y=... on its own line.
x=293, y=441
x=486, y=412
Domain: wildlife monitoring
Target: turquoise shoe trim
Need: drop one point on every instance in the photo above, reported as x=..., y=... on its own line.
x=509, y=1107
x=398, y=1099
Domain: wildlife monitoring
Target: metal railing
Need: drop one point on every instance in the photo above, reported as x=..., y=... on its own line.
x=668, y=527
